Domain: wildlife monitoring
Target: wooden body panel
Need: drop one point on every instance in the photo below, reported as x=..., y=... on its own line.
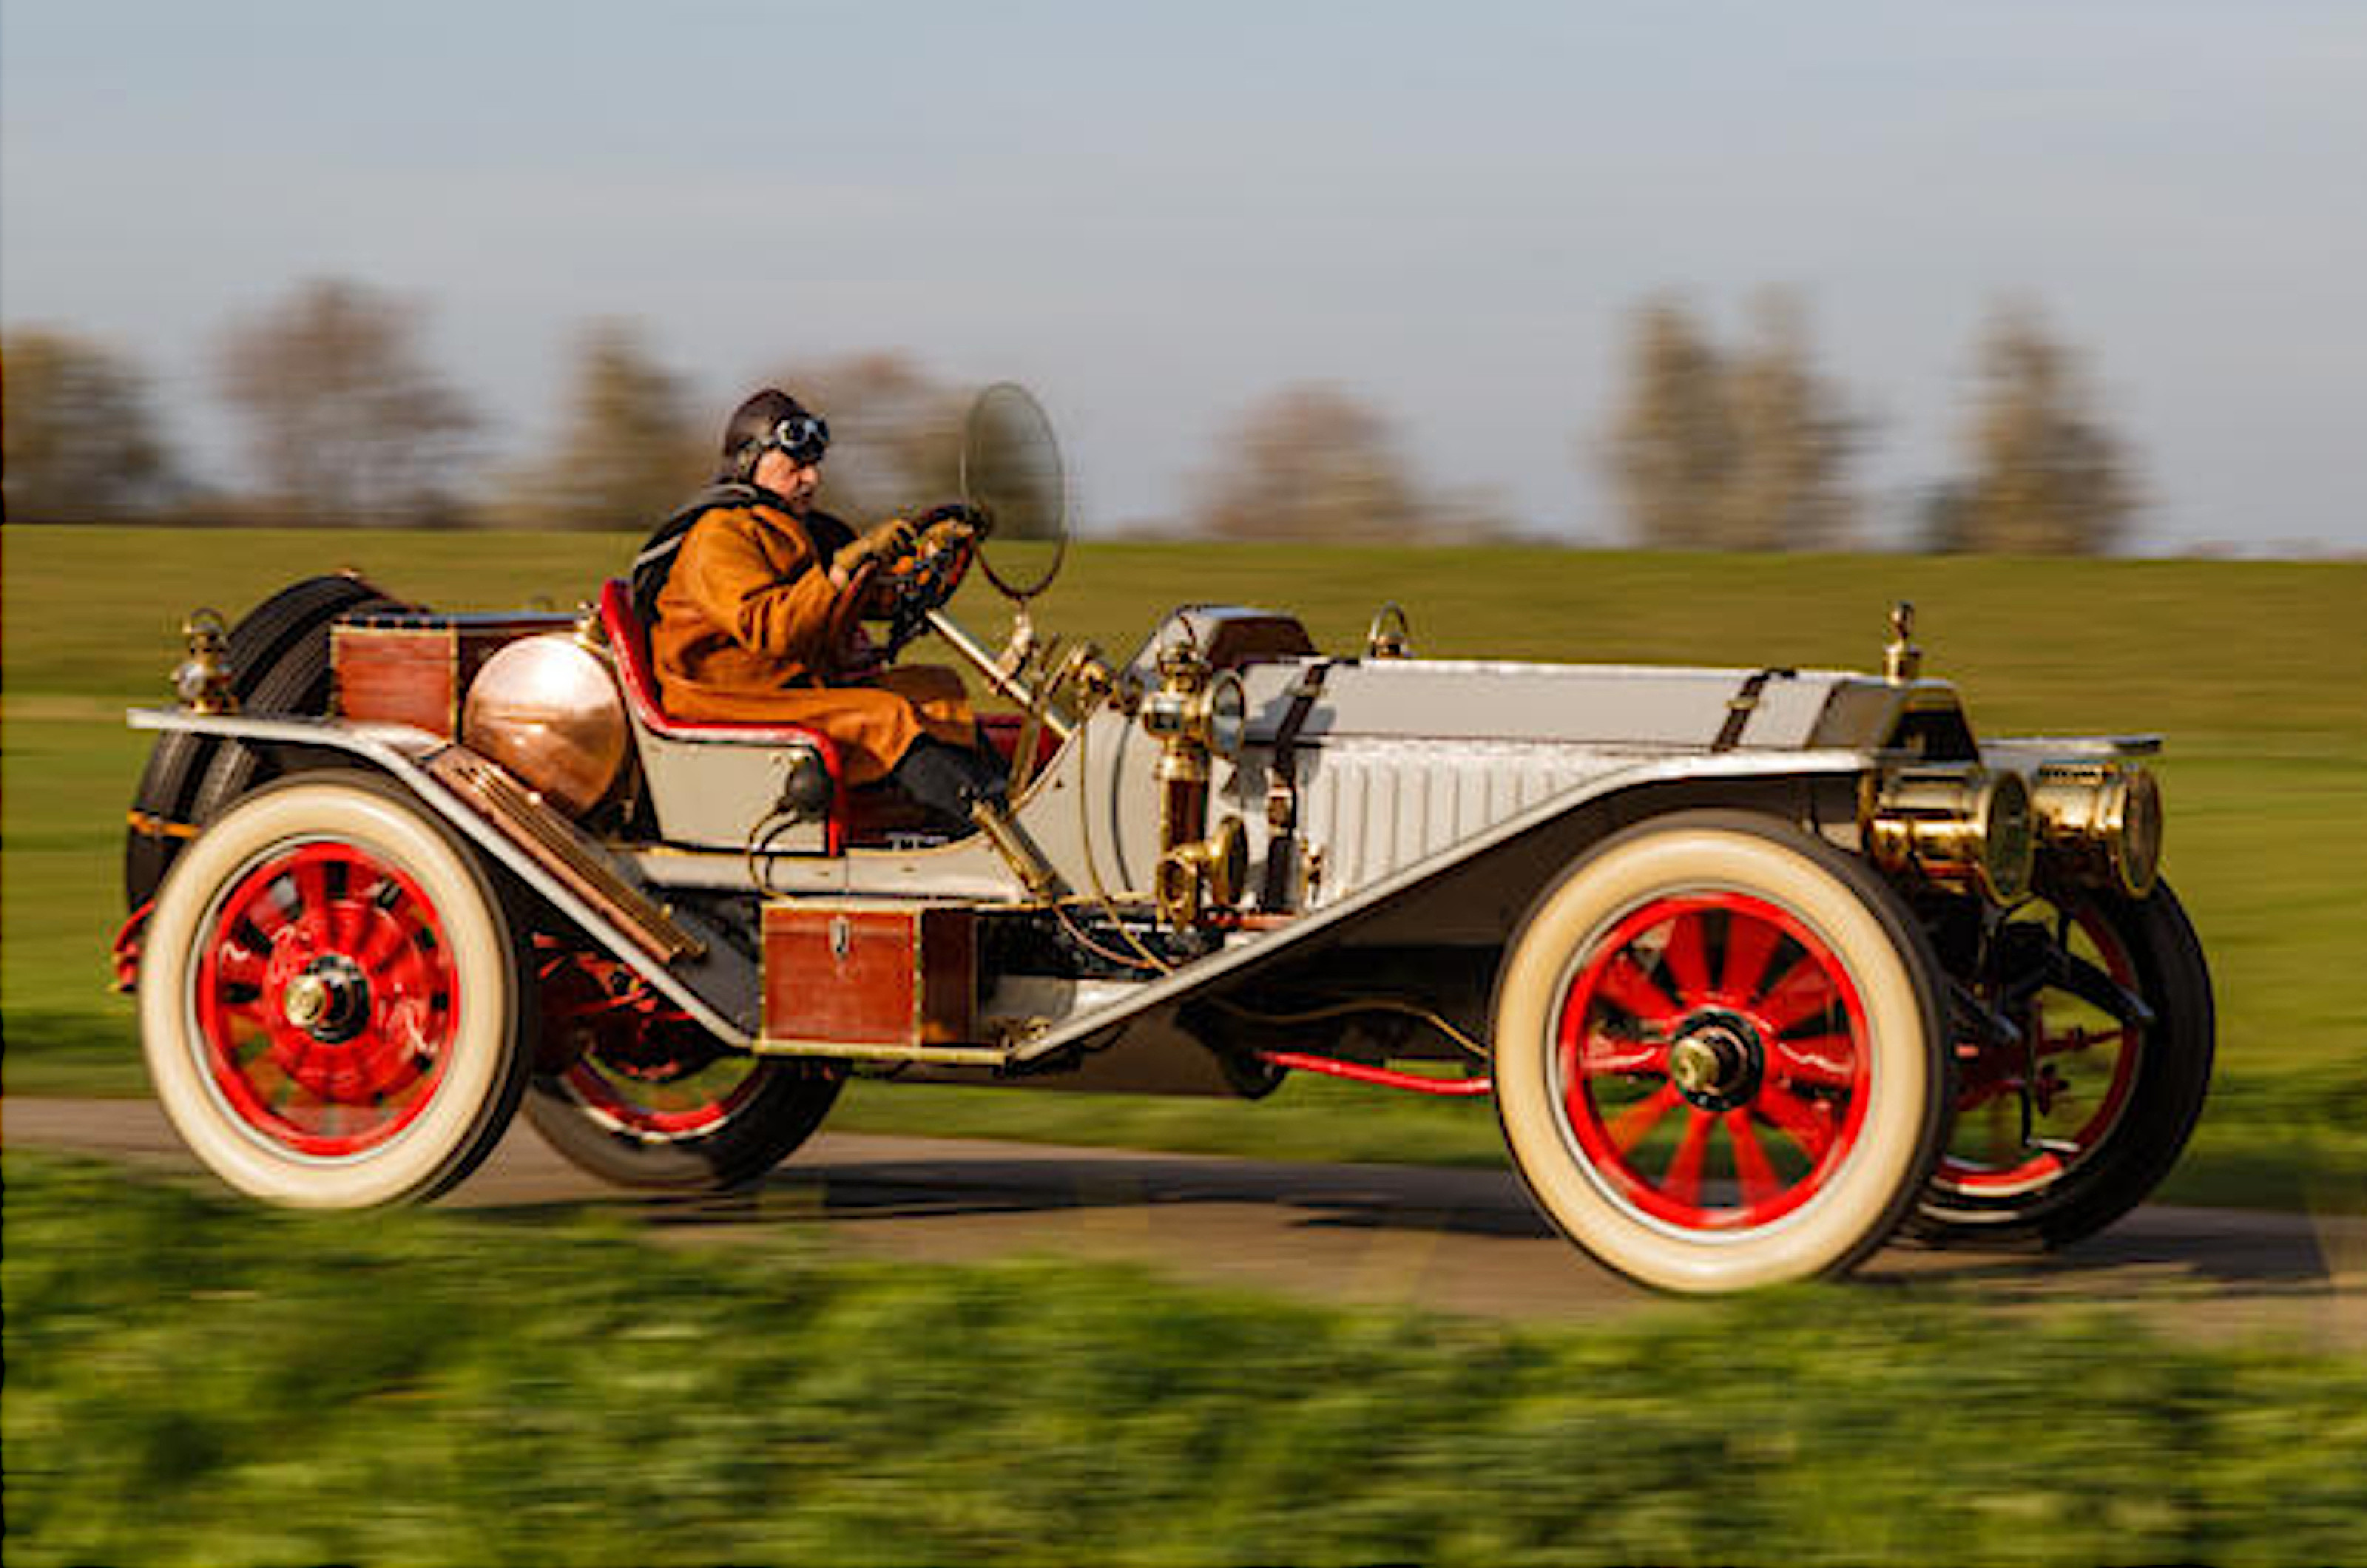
x=414, y=668
x=860, y=972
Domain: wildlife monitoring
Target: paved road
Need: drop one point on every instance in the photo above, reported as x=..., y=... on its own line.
x=1458, y=1241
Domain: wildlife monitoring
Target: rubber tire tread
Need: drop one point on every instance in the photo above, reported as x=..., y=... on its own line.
x=786, y=1111
x=2138, y=1152
x=178, y=762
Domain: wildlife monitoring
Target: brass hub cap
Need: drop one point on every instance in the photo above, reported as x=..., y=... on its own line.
x=1715, y=1063
x=330, y=1000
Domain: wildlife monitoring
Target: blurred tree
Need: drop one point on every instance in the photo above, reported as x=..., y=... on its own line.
x=1311, y=462
x=1672, y=444
x=2047, y=477
x=895, y=433
x=1743, y=451
x=1786, y=485
x=631, y=451
x=77, y=440
x=346, y=423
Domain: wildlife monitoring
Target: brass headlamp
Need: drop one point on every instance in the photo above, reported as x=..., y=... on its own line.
x=2100, y=823
x=1959, y=825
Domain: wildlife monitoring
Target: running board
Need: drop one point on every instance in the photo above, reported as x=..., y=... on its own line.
x=931, y=1055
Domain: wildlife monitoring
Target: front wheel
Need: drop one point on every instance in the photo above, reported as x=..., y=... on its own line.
x=2062, y=1132
x=1718, y=1053
x=330, y=998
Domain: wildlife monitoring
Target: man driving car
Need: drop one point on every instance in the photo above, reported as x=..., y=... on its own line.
x=755, y=599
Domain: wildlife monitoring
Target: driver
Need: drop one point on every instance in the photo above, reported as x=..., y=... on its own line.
x=755, y=600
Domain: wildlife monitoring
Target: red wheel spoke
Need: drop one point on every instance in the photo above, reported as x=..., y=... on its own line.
x=1683, y=1182
x=1687, y=959
x=310, y=878
x=1799, y=993
x=1796, y=1120
x=1629, y=1128
x=1623, y=981
x=347, y=919
x=1827, y=1060
x=1604, y=1056
x=374, y=945
x=1759, y=1184
x=1749, y=945
x=262, y=914
x=235, y=965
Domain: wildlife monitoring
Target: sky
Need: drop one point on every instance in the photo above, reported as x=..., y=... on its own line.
x=1156, y=215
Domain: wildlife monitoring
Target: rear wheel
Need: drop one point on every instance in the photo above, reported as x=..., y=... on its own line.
x=709, y=1130
x=1717, y=1054
x=634, y=1092
x=331, y=999
x=2113, y=1002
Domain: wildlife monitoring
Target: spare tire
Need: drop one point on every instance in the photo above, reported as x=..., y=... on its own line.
x=278, y=659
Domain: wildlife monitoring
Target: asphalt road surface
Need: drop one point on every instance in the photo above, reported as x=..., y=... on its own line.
x=1458, y=1241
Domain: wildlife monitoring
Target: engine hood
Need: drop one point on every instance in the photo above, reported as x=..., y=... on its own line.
x=1627, y=706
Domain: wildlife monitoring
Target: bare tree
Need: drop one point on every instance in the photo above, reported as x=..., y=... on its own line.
x=2046, y=478
x=1787, y=488
x=77, y=440
x=632, y=449
x=1312, y=462
x=346, y=423
x=1672, y=447
x=1743, y=451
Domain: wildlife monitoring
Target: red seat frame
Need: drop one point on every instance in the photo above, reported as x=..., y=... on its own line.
x=629, y=642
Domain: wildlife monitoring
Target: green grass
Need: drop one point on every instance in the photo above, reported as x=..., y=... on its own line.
x=2254, y=671
x=193, y=1381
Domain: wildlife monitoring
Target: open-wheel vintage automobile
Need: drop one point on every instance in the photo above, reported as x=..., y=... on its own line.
x=1759, y=967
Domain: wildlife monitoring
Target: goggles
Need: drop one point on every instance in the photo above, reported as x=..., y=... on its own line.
x=801, y=438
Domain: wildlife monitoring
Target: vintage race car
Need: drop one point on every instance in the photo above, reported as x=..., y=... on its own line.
x=1759, y=967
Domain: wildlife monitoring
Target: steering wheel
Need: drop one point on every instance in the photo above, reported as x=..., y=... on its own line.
x=923, y=579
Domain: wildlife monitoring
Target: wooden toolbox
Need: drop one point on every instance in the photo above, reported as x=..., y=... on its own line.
x=413, y=667
x=869, y=972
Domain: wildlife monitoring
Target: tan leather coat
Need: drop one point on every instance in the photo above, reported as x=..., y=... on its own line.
x=751, y=630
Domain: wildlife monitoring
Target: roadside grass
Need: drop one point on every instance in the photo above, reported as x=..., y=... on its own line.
x=193, y=1381
x=2251, y=669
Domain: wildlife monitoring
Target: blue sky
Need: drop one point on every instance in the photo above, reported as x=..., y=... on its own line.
x=1156, y=215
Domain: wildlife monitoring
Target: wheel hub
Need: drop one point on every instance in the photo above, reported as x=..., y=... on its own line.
x=1717, y=1062
x=330, y=999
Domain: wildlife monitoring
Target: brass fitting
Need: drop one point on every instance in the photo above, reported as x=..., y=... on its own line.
x=1194, y=714
x=1025, y=862
x=1901, y=660
x=1212, y=874
x=202, y=681
x=1089, y=674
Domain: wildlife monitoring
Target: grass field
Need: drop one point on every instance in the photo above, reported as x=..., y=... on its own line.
x=2257, y=672
x=194, y=1381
